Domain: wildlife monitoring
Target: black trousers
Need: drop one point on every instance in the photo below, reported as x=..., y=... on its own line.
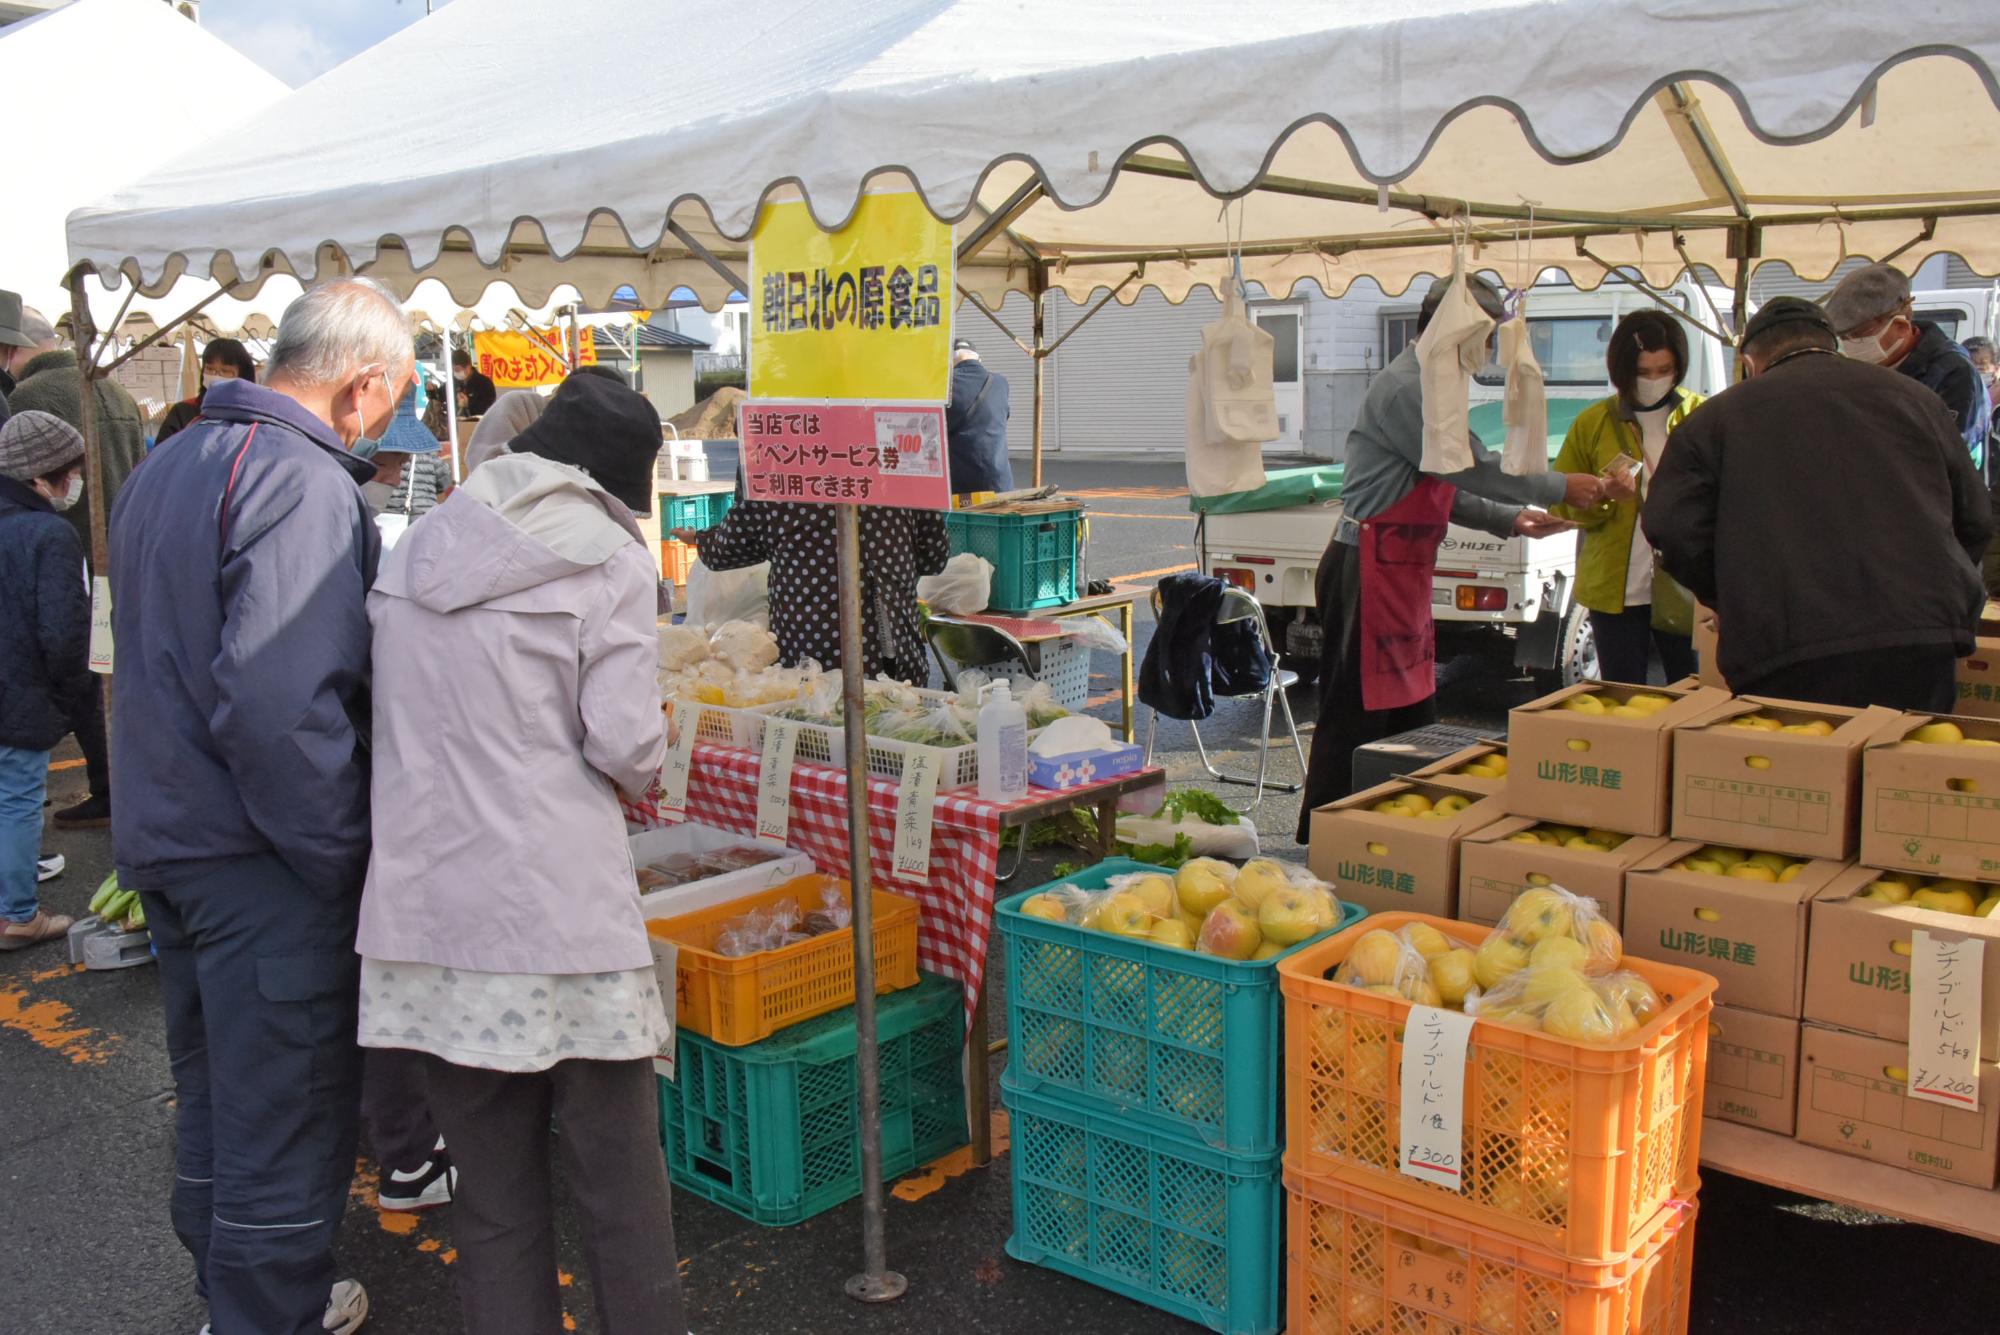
x=86, y=720
x=1343, y=723
x=607, y=1116
x=1922, y=678
x=260, y=987
x=1626, y=641
x=396, y=1109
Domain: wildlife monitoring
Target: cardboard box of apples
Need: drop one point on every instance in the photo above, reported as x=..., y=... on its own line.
x=1395, y=847
x=1930, y=792
x=1479, y=769
x=1599, y=756
x=1858, y=972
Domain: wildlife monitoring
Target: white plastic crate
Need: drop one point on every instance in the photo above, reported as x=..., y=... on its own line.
x=821, y=744
x=1065, y=668
x=691, y=837
x=722, y=725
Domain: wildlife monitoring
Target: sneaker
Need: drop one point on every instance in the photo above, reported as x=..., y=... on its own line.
x=93, y=813
x=50, y=867
x=420, y=1189
x=44, y=926
x=346, y=1307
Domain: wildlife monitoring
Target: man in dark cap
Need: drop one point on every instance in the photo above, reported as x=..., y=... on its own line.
x=1875, y=316
x=975, y=424
x=1828, y=511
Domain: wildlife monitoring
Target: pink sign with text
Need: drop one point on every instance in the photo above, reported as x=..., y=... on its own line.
x=846, y=453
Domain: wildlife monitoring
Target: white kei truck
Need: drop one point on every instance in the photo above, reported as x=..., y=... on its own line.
x=1487, y=590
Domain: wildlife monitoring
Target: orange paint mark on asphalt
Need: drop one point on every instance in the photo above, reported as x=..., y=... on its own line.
x=429, y=1245
x=60, y=971
x=1162, y=572
x=565, y=1278
x=400, y=1222
x=1130, y=493
x=930, y=1178
x=67, y=764
x=449, y=1256
x=52, y=1025
x=569, y=1322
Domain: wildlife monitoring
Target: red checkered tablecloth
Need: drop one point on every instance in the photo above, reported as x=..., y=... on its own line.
x=957, y=899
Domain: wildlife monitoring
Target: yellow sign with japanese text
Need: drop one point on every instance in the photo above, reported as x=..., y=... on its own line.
x=522, y=360
x=862, y=313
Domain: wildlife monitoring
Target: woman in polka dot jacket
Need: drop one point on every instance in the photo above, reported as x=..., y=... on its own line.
x=897, y=547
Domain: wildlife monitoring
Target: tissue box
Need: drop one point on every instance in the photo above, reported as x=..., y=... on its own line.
x=1078, y=768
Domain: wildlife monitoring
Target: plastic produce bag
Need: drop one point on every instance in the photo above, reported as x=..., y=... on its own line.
x=1234, y=841
x=682, y=647
x=716, y=597
x=1040, y=702
x=1232, y=408
x=742, y=646
x=1548, y=927
x=961, y=588
x=1558, y=1000
x=1097, y=633
x=1382, y=961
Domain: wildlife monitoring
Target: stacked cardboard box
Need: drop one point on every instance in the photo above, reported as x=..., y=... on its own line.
x=1394, y=848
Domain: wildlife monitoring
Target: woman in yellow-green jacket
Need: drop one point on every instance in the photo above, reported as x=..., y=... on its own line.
x=1635, y=607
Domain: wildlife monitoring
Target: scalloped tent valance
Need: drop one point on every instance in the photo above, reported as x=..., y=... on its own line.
x=1078, y=143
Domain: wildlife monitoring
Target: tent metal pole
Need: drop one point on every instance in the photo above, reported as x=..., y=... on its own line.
x=117, y=323
x=1102, y=302
x=876, y=1283
x=162, y=331
x=973, y=300
x=708, y=257
x=1652, y=293
x=1001, y=219
x=83, y=333
x=450, y=392
x=1038, y=292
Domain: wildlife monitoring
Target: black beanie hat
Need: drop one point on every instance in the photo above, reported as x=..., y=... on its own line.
x=608, y=430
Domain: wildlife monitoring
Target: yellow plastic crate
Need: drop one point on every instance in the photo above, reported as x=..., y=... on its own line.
x=735, y=1000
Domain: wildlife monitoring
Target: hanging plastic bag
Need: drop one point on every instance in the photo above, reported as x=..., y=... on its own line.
x=1231, y=406
x=961, y=588
x=1525, y=407
x=715, y=597
x=1097, y=633
x=1450, y=351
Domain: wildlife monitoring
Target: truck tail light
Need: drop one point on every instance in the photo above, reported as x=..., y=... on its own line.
x=1481, y=598
x=1245, y=580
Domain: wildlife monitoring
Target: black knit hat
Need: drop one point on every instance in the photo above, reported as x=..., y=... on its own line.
x=609, y=431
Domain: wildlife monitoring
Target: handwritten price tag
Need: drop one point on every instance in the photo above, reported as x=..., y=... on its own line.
x=680, y=757
x=914, y=805
x=100, y=625
x=667, y=969
x=1433, y=1087
x=1944, y=1019
x=774, y=780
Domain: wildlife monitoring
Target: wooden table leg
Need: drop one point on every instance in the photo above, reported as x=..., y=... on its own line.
x=1107, y=828
x=1125, y=622
x=978, y=1102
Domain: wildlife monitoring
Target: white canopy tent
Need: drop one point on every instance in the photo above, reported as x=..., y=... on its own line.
x=120, y=57
x=1090, y=147
x=1101, y=135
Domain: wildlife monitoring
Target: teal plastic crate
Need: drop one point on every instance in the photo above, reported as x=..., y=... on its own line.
x=772, y=1131
x=1154, y=1217
x=1034, y=557
x=701, y=511
x=1172, y=1039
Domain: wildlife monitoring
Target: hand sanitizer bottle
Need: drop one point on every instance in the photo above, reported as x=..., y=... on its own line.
x=1003, y=745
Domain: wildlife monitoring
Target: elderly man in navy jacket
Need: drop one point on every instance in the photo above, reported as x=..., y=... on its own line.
x=241, y=554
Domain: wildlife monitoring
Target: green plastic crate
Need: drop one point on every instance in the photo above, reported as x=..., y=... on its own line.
x=700, y=511
x=772, y=1131
x=1034, y=557
x=1154, y=1217
x=1171, y=1039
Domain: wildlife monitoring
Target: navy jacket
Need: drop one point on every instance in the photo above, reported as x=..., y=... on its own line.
x=975, y=430
x=1193, y=656
x=44, y=620
x=1943, y=366
x=242, y=551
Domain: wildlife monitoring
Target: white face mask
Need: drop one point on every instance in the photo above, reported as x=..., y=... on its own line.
x=1873, y=350
x=1649, y=390
x=69, y=497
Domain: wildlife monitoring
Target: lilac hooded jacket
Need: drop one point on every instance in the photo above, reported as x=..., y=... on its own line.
x=515, y=658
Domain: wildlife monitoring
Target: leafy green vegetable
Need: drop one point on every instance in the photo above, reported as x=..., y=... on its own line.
x=1203, y=806
x=1067, y=869
x=1174, y=855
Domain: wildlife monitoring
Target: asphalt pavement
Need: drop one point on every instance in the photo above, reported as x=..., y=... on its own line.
x=87, y=1154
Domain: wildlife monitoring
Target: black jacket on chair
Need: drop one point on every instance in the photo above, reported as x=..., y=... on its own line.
x=1192, y=659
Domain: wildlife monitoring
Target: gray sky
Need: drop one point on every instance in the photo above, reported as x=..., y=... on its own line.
x=299, y=40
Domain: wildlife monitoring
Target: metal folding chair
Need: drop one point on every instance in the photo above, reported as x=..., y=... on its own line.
x=957, y=645
x=1240, y=606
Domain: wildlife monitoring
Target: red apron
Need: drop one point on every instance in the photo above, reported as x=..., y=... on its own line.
x=1399, y=550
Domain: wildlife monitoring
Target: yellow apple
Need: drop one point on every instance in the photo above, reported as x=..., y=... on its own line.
x=1524, y=837
x=1045, y=906
x=1791, y=872
x=1389, y=808
x=1373, y=961
x=1479, y=771
x=1559, y=952
x=1498, y=957
x=1609, y=838
x=1290, y=915
x=1584, y=704
x=1986, y=907
x=1156, y=892
x=1545, y=985
x=1414, y=801
x=1651, y=704
x=1940, y=733
x=1231, y=932
x=1704, y=866
x=1757, y=762
x=1259, y=877
x=1124, y=914
x=1887, y=892
x=1427, y=940
x=1941, y=900
x=1203, y=883
x=1753, y=871
x=1627, y=711
x=1536, y=915
x=1172, y=932
x=1451, y=805
x=1577, y=744
x=1497, y=762
x=1452, y=975
x=1581, y=1016
x=1270, y=950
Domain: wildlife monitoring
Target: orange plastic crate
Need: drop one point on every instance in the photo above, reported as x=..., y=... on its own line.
x=1362, y=1264
x=739, y=1000
x=1573, y=1147
x=676, y=559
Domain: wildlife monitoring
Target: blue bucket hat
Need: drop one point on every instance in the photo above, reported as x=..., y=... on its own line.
x=407, y=433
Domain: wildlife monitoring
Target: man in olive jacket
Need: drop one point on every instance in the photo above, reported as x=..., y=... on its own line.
x=1829, y=513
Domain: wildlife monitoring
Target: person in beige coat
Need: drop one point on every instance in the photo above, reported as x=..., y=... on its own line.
x=515, y=652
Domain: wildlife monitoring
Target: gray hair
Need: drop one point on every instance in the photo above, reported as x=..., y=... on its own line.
x=336, y=328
